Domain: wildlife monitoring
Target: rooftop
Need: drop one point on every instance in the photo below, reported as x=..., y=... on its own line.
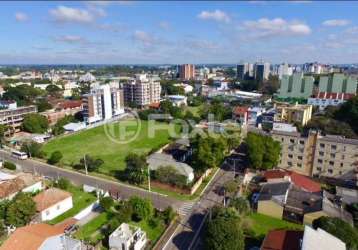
x=282, y=240
x=320, y=239
x=49, y=198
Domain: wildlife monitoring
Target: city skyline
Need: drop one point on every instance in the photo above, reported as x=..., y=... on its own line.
x=126, y=32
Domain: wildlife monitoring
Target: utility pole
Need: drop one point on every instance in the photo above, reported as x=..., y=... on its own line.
x=84, y=160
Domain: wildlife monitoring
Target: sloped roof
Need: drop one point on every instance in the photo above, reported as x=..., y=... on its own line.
x=49, y=198
x=30, y=237
x=11, y=186
x=157, y=160
x=282, y=240
x=304, y=182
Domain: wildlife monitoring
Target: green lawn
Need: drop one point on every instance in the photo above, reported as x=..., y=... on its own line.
x=96, y=143
x=261, y=224
x=87, y=230
x=153, y=234
x=80, y=201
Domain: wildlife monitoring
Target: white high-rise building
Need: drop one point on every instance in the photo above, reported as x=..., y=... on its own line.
x=284, y=69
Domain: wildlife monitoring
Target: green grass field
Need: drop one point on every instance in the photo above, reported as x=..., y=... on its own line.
x=96, y=143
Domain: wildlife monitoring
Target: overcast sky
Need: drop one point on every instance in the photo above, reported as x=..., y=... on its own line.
x=178, y=32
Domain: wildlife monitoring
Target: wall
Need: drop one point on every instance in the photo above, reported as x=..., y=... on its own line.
x=270, y=208
x=54, y=211
x=86, y=211
x=33, y=188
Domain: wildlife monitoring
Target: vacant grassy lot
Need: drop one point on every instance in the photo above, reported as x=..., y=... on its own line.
x=96, y=143
x=261, y=224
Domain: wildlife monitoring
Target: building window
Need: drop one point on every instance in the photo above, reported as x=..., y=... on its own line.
x=330, y=171
x=299, y=157
x=331, y=163
x=342, y=157
x=321, y=145
x=319, y=168
x=289, y=163
x=290, y=156
x=341, y=164
x=321, y=153
x=58, y=207
x=320, y=161
x=333, y=155
x=47, y=212
x=292, y=140
x=302, y=142
x=333, y=147
x=299, y=165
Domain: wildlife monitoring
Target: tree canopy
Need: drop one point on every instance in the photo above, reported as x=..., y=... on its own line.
x=142, y=208
x=35, y=123
x=136, y=168
x=21, y=210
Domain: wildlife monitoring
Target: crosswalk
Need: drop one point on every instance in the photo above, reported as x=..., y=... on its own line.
x=186, y=208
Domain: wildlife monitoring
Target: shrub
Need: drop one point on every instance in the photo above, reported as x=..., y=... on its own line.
x=106, y=203
x=63, y=183
x=9, y=165
x=56, y=156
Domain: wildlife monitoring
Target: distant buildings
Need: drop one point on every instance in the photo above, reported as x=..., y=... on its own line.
x=68, y=107
x=102, y=103
x=127, y=237
x=262, y=71
x=298, y=113
x=14, y=117
x=177, y=100
x=324, y=99
x=337, y=83
x=88, y=77
x=296, y=86
x=284, y=70
x=187, y=71
x=245, y=71
x=142, y=91
x=259, y=71
x=52, y=203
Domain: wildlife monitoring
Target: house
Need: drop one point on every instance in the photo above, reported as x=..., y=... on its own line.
x=320, y=239
x=177, y=100
x=240, y=115
x=52, y=203
x=10, y=185
x=41, y=237
x=180, y=150
x=324, y=99
x=282, y=240
x=157, y=160
x=127, y=237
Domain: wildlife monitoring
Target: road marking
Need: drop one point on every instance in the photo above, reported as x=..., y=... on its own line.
x=186, y=208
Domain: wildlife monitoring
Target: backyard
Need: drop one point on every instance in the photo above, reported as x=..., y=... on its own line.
x=96, y=143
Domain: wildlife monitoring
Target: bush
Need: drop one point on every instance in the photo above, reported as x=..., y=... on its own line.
x=9, y=165
x=142, y=208
x=63, y=183
x=168, y=215
x=56, y=156
x=106, y=203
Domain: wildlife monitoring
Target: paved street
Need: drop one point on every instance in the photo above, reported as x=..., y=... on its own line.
x=189, y=234
x=124, y=191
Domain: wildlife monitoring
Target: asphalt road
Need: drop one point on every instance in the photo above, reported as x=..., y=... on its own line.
x=189, y=234
x=123, y=191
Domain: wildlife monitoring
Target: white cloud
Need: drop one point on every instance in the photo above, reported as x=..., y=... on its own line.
x=336, y=22
x=164, y=25
x=143, y=37
x=65, y=14
x=265, y=27
x=217, y=15
x=21, y=17
x=70, y=39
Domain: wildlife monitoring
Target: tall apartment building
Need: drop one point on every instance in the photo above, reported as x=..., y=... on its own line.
x=317, y=155
x=337, y=83
x=296, y=86
x=262, y=71
x=13, y=117
x=284, y=70
x=187, y=71
x=142, y=91
x=102, y=103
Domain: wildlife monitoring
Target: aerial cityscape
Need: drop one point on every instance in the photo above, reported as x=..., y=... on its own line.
x=218, y=125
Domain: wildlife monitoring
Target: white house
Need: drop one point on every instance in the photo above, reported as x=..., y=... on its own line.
x=320, y=239
x=187, y=88
x=127, y=237
x=52, y=203
x=177, y=100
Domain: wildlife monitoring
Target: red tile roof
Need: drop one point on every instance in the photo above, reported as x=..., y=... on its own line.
x=339, y=96
x=304, y=182
x=49, y=198
x=154, y=105
x=70, y=104
x=240, y=110
x=282, y=240
x=275, y=174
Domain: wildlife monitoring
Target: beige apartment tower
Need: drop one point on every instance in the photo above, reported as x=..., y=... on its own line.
x=187, y=71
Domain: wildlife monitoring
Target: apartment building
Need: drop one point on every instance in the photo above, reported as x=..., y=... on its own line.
x=262, y=71
x=102, y=103
x=142, y=91
x=298, y=113
x=337, y=83
x=296, y=86
x=187, y=71
x=14, y=117
x=316, y=154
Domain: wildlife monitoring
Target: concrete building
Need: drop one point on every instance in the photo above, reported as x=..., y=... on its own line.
x=320, y=239
x=69, y=107
x=52, y=203
x=102, y=103
x=298, y=113
x=142, y=91
x=187, y=71
x=14, y=117
x=338, y=83
x=296, y=86
x=178, y=100
x=324, y=99
x=127, y=237
x=284, y=70
x=262, y=71
x=7, y=104
x=245, y=71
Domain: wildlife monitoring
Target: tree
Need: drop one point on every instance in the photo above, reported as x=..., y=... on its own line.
x=91, y=163
x=168, y=215
x=43, y=105
x=3, y=130
x=54, y=90
x=106, y=203
x=55, y=157
x=35, y=123
x=231, y=187
x=241, y=205
x=340, y=229
x=142, y=208
x=33, y=149
x=63, y=184
x=223, y=231
x=136, y=168
x=58, y=128
x=9, y=165
x=23, y=94
x=21, y=210
x=170, y=175
x=348, y=112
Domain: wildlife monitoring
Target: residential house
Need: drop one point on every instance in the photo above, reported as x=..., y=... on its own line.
x=177, y=100
x=41, y=237
x=282, y=240
x=320, y=239
x=324, y=99
x=127, y=237
x=52, y=203
x=240, y=115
